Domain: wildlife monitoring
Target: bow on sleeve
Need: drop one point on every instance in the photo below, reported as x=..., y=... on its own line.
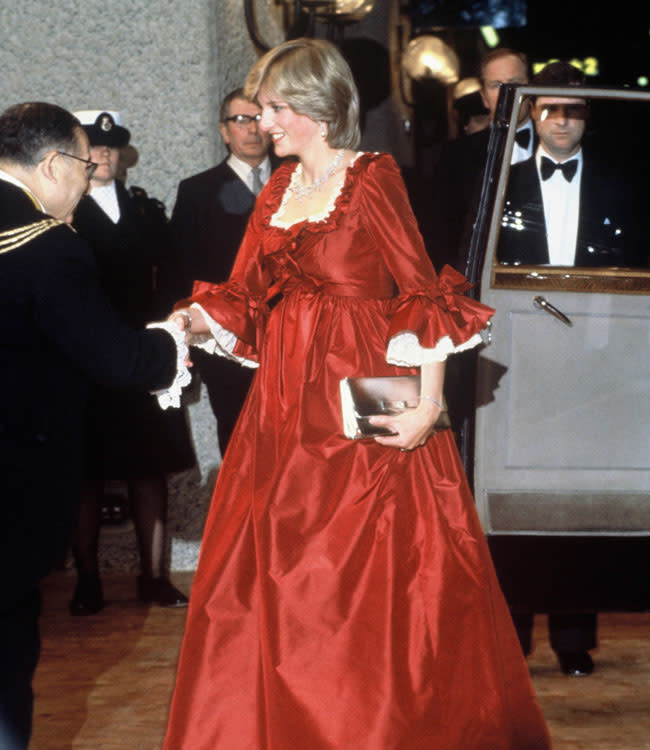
x=439, y=310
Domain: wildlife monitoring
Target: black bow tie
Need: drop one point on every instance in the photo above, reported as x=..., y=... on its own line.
x=523, y=137
x=568, y=168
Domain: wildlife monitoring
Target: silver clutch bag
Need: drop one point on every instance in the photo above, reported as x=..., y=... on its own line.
x=364, y=397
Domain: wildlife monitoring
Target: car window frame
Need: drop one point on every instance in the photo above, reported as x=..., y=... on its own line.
x=609, y=279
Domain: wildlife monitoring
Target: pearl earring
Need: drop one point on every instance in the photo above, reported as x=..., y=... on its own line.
x=323, y=132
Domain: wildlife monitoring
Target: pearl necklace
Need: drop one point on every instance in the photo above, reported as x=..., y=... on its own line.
x=306, y=191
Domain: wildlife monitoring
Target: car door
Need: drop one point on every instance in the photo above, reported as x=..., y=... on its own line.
x=562, y=430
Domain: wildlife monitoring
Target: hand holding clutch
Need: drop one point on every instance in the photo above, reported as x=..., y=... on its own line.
x=363, y=399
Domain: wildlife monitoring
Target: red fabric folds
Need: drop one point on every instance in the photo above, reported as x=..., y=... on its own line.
x=344, y=598
x=440, y=309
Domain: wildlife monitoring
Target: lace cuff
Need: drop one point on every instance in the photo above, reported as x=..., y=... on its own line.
x=219, y=341
x=171, y=396
x=405, y=350
x=430, y=323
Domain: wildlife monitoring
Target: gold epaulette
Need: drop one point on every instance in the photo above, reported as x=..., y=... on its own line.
x=10, y=239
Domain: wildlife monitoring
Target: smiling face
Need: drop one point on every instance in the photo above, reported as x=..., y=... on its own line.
x=560, y=125
x=291, y=134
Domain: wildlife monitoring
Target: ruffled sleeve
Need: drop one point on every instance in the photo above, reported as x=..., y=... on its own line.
x=428, y=325
x=431, y=317
x=236, y=310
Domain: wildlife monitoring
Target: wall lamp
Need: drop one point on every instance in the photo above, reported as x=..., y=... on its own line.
x=429, y=57
x=426, y=58
x=299, y=18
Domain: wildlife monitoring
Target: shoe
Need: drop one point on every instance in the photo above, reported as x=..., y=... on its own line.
x=576, y=663
x=160, y=591
x=88, y=598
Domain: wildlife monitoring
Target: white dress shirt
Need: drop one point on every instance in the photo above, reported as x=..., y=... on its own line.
x=106, y=198
x=561, y=211
x=245, y=172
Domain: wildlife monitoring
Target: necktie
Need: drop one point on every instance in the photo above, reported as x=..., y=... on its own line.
x=568, y=168
x=257, y=183
x=523, y=137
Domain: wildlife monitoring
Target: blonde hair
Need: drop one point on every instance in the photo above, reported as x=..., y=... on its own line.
x=314, y=79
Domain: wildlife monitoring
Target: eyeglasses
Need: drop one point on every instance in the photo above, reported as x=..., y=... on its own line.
x=91, y=166
x=564, y=111
x=243, y=121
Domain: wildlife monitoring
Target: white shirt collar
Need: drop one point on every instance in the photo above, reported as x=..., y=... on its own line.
x=243, y=170
x=542, y=152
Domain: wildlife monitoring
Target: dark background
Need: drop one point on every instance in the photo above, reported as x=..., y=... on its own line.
x=614, y=33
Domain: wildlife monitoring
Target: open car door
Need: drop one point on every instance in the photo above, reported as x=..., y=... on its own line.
x=562, y=428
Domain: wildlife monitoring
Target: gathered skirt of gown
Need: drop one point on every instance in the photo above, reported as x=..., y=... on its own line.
x=345, y=598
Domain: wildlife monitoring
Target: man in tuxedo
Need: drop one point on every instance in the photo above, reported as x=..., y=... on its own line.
x=208, y=223
x=58, y=333
x=458, y=173
x=563, y=206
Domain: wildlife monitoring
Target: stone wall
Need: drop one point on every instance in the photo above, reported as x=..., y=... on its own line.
x=164, y=65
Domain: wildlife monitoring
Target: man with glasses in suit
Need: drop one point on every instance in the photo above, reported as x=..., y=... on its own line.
x=208, y=223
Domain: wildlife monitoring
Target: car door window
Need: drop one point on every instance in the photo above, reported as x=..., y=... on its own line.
x=587, y=232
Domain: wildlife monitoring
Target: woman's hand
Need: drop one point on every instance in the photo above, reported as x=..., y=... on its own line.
x=183, y=319
x=188, y=321
x=413, y=427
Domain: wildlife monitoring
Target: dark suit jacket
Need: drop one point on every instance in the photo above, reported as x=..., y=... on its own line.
x=207, y=226
x=58, y=332
x=456, y=188
x=127, y=253
x=607, y=229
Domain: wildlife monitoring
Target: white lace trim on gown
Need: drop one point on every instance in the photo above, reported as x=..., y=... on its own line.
x=404, y=349
x=219, y=341
x=296, y=181
x=171, y=396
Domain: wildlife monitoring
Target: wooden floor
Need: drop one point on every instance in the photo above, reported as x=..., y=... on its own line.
x=105, y=681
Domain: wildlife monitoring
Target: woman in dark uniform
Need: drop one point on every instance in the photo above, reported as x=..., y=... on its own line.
x=128, y=436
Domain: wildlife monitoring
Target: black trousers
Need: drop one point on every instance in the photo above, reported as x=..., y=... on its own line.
x=227, y=383
x=569, y=632
x=20, y=647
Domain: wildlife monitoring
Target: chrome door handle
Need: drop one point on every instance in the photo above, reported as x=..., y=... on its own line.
x=543, y=304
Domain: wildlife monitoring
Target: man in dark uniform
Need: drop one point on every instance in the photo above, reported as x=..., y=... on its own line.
x=58, y=332
x=208, y=223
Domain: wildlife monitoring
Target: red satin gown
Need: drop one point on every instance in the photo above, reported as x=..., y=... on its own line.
x=344, y=598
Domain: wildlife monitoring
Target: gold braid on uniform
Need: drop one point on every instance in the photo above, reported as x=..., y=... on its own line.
x=10, y=239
